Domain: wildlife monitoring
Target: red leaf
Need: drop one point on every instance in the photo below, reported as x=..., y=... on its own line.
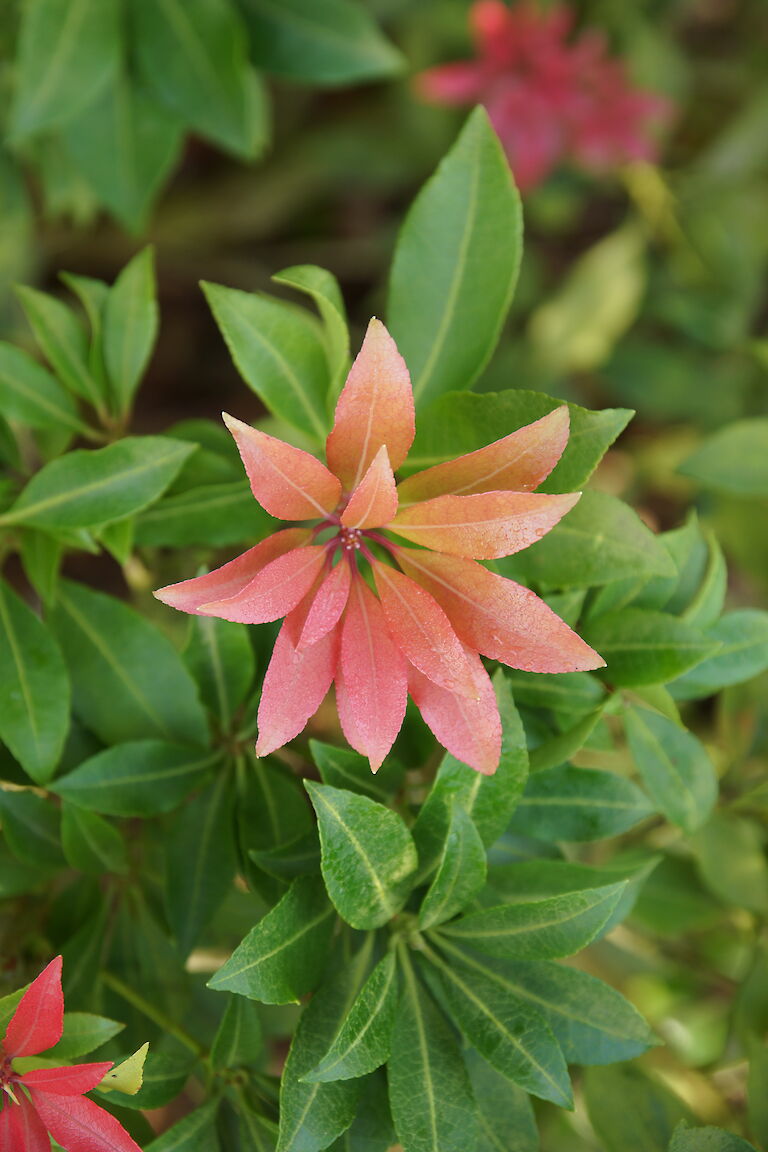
x=21, y=1129
x=469, y=729
x=295, y=685
x=71, y=1081
x=327, y=606
x=371, y=681
x=79, y=1125
x=374, y=501
x=274, y=591
x=288, y=482
x=38, y=1021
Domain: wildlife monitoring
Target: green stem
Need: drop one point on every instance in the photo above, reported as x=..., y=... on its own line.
x=152, y=1013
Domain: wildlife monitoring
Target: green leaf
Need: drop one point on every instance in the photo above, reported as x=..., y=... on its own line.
x=674, y=766
x=557, y=749
x=200, y=861
x=335, y=42
x=706, y=604
x=195, y=1132
x=115, y=655
x=125, y=145
x=41, y=556
x=85, y=489
x=83, y=1032
x=460, y=873
x=372, y=1129
x=512, y=1036
x=294, y=858
x=238, y=1040
x=539, y=929
x=578, y=804
x=429, y=1090
x=323, y=287
x=504, y=1112
x=563, y=692
x=90, y=843
x=63, y=342
x=141, y=778
x=215, y=514
x=312, y=1115
x=34, y=689
x=456, y=264
x=273, y=810
x=461, y=422
x=31, y=395
x=163, y=1078
x=193, y=56
x=343, y=768
x=743, y=653
x=283, y=956
x=600, y=540
x=629, y=1111
x=368, y=857
x=364, y=1039
x=731, y=858
x=68, y=50
x=644, y=647
x=220, y=656
x=130, y=328
x=734, y=460
x=279, y=352
x=687, y=1139
x=31, y=828
x=489, y=800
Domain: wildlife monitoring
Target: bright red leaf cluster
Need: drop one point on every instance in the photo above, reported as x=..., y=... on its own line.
x=44, y=1100
x=549, y=99
x=434, y=609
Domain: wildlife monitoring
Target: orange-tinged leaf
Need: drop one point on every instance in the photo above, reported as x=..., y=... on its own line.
x=498, y=617
x=520, y=462
x=71, y=1081
x=327, y=605
x=374, y=501
x=79, y=1125
x=469, y=729
x=484, y=526
x=286, y=481
x=375, y=407
x=371, y=681
x=295, y=685
x=424, y=633
x=274, y=591
x=232, y=577
x=38, y=1021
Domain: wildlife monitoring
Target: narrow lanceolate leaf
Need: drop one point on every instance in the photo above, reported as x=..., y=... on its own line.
x=63, y=342
x=326, y=608
x=645, y=647
x=540, y=929
x=130, y=328
x=469, y=727
x=460, y=873
x=140, y=778
x=674, y=767
x=88, y=488
x=213, y=514
x=220, y=656
x=324, y=289
x=578, y=804
x=115, y=654
x=90, y=843
x=429, y=1090
x=743, y=653
x=456, y=264
x=31, y=395
x=274, y=591
x=258, y=330
x=238, y=1040
x=363, y=1042
x=31, y=828
x=200, y=861
x=195, y=1132
x=83, y=1032
x=504, y=1111
x=368, y=856
x=34, y=688
x=38, y=1020
x=374, y=500
x=343, y=768
x=284, y=955
x=512, y=1036
x=68, y=50
x=295, y=685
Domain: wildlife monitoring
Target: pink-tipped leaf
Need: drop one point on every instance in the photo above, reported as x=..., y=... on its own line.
x=274, y=591
x=295, y=685
x=327, y=605
x=374, y=501
x=469, y=729
x=38, y=1021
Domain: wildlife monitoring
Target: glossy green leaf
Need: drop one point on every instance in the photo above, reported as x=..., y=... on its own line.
x=293, y=858
x=562, y=693
x=31, y=828
x=283, y=956
x=600, y=540
x=90, y=843
x=730, y=853
x=456, y=264
x=140, y=778
x=364, y=1040
x=31, y=395
x=273, y=809
x=336, y=42
x=83, y=1033
x=561, y=747
x=460, y=873
x=578, y=804
x=504, y=1112
x=687, y=1139
x=193, y=56
x=461, y=422
x=113, y=654
x=195, y=1132
x=130, y=328
x=644, y=647
x=372, y=1129
x=674, y=766
x=343, y=768
x=239, y=1039
x=279, y=352
x=511, y=1035
x=41, y=556
x=743, y=653
x=323, y=287
x=368, y=857
x=34, y=689
x=63, y=342
x=706, y=604
x=734, y=460
x=429, y=1090
x=631, y=1112
x=215, y=514
x=220, y=656
x=68, y=49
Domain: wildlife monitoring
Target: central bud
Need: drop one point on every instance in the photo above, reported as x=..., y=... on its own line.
x=350, y=539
